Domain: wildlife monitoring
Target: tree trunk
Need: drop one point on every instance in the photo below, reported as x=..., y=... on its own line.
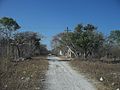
x=18, y=49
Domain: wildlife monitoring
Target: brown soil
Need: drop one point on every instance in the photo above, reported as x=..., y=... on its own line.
x=95, y=70
x=24, y=75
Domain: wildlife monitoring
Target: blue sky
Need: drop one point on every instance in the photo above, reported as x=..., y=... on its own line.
x=50, y=17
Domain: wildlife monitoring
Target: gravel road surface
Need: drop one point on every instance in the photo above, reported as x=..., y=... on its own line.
x=61, y=76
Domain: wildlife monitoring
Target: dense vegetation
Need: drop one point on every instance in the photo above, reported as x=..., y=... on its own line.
x=96, y=55
x=19, y=69
x=87, y=42
x=16, y=44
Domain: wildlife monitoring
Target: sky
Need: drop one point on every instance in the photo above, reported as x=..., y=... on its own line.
x=50, y=17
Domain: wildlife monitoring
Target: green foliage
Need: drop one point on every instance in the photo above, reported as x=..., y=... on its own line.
x=25, y=37
x=79, y=28
x=115, y=37
x=27, y=42
x=9, y=24
x=89, y=40
x=84, y=38
x=18, y=44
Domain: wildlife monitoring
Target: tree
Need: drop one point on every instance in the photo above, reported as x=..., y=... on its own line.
x=8, y=25
x=26, y=43
x=113, y=44
x=7, y=28
x=115, y=37
x=89, y=40
x=79, y=28
x=84, y=39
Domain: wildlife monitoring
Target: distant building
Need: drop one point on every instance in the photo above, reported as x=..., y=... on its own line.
x=61, y=53
x=68, y=52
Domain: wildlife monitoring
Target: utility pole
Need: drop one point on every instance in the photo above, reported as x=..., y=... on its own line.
x=67, y=30
x=68, y=39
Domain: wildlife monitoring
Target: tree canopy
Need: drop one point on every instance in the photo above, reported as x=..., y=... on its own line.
x=85, y=39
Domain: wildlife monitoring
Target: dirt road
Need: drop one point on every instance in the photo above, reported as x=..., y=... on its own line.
x=61, y=76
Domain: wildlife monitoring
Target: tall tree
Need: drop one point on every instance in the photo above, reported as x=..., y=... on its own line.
x=113, y=44
x=84, y=39
x=8, y=25
x=115, y=37
x=26, y=43
x=7, y=28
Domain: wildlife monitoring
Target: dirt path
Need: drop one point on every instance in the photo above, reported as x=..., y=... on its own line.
x=60, y=76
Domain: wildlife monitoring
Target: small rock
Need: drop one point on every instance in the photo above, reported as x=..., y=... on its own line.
x=24, y=72
x=113, y=84
x=101, y=79
x=21, y=59
x=31, y=75
x=117, y=89
x=28, y=78
x=5, y=86
x=22, y=78
x=37, y=88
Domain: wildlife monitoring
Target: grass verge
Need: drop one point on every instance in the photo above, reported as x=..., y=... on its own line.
x=107, y=75
x=25, y=75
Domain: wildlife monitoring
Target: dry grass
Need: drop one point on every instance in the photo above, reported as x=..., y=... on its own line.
x=109, y=72
x=26, y=75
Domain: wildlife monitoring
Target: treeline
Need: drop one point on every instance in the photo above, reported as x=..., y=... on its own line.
x=85, y=41
x=15, y=44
